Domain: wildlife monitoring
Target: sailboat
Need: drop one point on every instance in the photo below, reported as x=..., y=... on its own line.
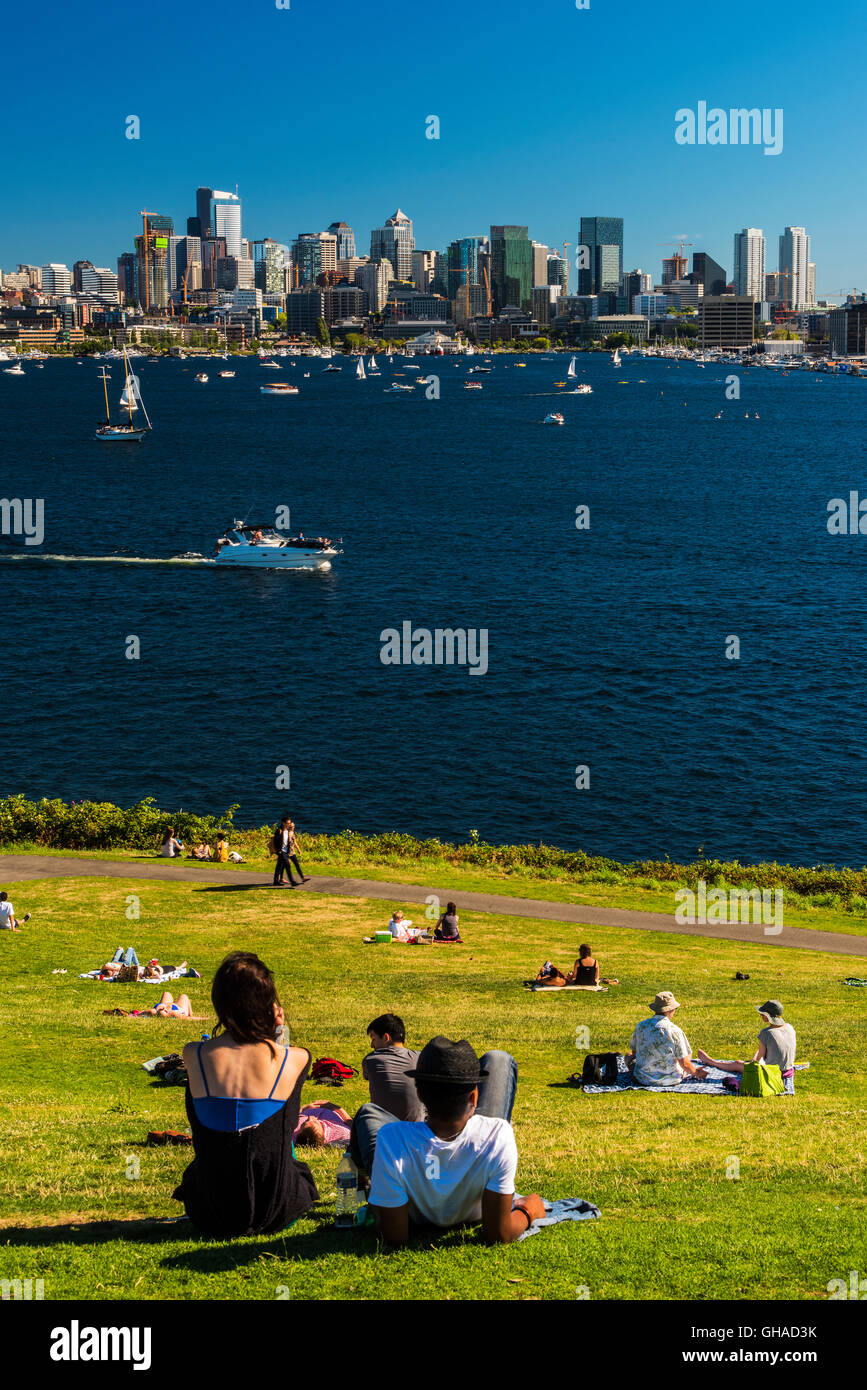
x=371, y=366
x=359, y=370
x=127, y=398
x=123, y=429
x=570, y=370
x=615, y=361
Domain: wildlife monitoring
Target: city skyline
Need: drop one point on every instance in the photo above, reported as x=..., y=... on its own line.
x=538, y=157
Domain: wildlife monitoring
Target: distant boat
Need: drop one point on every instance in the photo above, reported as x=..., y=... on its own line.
x=17, y=370
x=615, y=361
x=371, y=366
x=570, y=371
x=331, y=368
x=227, y=374
x=279, y=388
x=472, y=386
x=124, y=429
x=201, y=376
x=359, y=370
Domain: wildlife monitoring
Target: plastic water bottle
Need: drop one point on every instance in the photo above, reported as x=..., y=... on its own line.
x=348, y=1194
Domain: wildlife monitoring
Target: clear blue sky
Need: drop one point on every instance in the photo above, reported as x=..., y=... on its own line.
x=318, y=113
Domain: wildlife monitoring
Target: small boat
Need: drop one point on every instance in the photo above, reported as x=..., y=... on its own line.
x=359, y=370
x=372, y=366
x=571, y=370
x=264, y=547
x=397, y=386
x=201, y=376
x=615, y=361
x=306, y=374
x=272, y=366
x=554, y=418
x=584, y=389
x=520, y=364
x=412, y=367
x=227, y=374
x=17, y=370
x=278, y=388
x=472, y=386
x=331, y=368
x=124, y=429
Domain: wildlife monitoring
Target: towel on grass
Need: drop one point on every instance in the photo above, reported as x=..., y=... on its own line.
x=175, y=974
x=565, y=1209
x=558, y=989
x=712, y=1086
x=853, y=980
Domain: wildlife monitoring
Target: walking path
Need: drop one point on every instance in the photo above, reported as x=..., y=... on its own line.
x=21, y=867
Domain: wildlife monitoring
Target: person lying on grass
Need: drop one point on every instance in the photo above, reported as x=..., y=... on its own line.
x=659, y=1053
x=459, y=1164
x=549, y=975
x=321, y=1123
x=167, y=1007
x=776, y=1042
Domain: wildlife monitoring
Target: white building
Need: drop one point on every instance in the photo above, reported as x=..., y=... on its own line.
x=56, y=279
x=795, y=258
x=374, y=278
x=226, y=220
x=395, y=243
x=247, y=299
x=749, y=263
x=811, y=285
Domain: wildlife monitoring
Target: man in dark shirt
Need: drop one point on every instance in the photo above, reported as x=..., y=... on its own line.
x=385, y=1069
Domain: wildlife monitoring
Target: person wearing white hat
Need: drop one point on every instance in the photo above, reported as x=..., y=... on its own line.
x=776, y=1042
x=659, y=1052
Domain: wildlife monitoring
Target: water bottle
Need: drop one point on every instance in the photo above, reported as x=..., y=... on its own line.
x=348, y=1194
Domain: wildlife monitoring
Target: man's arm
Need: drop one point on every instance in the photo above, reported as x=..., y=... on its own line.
x=393, y=1223
x=501, y=1223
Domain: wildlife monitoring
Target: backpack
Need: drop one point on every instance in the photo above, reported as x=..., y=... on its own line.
x=600, y=1069
x=760, y=1079
x=330, y=1072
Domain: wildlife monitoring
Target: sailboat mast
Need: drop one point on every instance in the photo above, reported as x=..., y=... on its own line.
x=105, y=389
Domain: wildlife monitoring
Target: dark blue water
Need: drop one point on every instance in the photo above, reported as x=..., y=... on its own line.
x=606, y=647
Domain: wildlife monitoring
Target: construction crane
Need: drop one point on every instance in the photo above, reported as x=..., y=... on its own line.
x=680, y=259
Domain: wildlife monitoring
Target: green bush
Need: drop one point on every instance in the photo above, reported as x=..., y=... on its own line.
x=100, y=825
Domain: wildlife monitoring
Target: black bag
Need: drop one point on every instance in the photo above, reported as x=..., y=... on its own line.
x=600, y=1069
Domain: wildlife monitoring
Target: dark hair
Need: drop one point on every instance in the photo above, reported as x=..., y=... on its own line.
x=2, y=896
x=443, y=1102
x=390, y=1024
x=584, y=951
x=307, y=1136
x=244, y=997
x=450, y=907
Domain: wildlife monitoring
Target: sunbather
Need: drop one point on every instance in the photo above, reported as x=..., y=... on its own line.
x=170, y=847
x=549, y=975
x=776, y=1043
x=447, y=928
x=398, y=924
x=167, y=1007
x=202, y=851
x=585, y=971
x=321, y=1123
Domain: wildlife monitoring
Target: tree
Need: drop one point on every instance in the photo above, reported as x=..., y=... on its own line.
x=322, y=334
x=615, y=340
x=541, y=343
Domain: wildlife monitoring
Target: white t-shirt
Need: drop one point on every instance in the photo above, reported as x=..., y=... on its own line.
x=7, y=915
x=168, y=850
x=443, y=1180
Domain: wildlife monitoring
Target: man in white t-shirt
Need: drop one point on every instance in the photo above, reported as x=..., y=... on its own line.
x=8, y=920
x=660, y=1051
x=459, y=1164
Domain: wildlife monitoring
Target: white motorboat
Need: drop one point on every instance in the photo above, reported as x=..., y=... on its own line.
x=201, y=376
x=226, y=374
x=583, y=390
x=554, y=418
x=397, y=386
x=472, y=386
x=279, y=388
x=331, y=368
x=17, y=370
x=261, y=546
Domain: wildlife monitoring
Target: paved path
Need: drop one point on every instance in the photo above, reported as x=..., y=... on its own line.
x=19, y=867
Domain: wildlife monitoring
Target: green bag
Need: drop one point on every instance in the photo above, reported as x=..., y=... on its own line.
x=760, y=1079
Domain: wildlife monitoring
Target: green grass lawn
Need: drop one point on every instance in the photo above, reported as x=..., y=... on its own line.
x=77, y=1107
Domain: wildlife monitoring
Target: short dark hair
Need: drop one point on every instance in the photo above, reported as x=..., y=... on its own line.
x=390, y=1024
x=244, y=997
x=443, y=1102
x=307, y=1135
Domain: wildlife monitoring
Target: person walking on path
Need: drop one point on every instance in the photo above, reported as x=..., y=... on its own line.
x=285, y=845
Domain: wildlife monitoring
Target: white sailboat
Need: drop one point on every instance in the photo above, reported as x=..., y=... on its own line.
x=372, y=366
x=131, y=390
x=570, y=370
x=359, y=370
x=615, y=361
x=127, y=398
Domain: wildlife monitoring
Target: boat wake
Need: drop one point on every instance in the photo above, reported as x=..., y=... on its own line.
x=111, y=559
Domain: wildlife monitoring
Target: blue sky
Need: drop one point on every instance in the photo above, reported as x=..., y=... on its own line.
x=318, y=112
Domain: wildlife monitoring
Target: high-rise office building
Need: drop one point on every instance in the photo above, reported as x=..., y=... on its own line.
x=558, y=270
x=374, y=277
x=423, y=263
x=268, y=257
x=345, y=240
x=749, y=263
x=56, y=279
x=811, y=285
x=462, y=276
x=152, y=261
x=635, y=282
x=794, y=267
x=127, y=279
x=225, y=220
x=94, y=279
x=540, y=263
x=202, y=218
x=33, y=273
x=603, y=239
x=394, y=242
x=511, y=269
x=707, y=272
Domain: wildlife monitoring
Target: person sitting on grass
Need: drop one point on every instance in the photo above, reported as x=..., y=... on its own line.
x=321, y=1123
x=776, y=1043
x=8, y=920
x=458, y=1166
x=398, y=924
x=549, y=975
x=243, y=1103
x=659, y=1053
x=386, y=1069
x=447, y=928
x=171, y=847
x=585, y=971
x=221, y=849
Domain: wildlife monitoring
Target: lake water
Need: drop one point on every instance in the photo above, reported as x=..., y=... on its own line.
x=606, y=646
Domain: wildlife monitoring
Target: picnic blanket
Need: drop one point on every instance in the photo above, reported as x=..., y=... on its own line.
x=175, y=974
x=853, y=980
x=565, y=1209
x=713, y=1086
x=559, y=989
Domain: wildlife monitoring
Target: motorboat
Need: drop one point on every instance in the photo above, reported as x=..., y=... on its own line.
x=17, y=370
x=583, y=390
x=272, y=366
x=398, y=386
x=554, y=418
x=227, y=374
x=472, y=386
x=262, y=546
x=201, y=376
x=331, y=368
x=279, y=388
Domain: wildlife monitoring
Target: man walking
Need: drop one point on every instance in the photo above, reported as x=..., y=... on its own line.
x=286, y=847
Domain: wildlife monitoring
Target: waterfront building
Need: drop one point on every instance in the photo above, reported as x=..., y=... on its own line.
x=304, y=308
x=268, y=257
x=726, y=320
x=603, y=239
x=394, y=242
x=511, y=268
x=598, y=329
x=749, y=264
x=847, y=329
x=344, y=302
x=794, y=266
x=650, y=306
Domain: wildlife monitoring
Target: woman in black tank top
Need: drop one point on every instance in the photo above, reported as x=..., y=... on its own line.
x=585, y=970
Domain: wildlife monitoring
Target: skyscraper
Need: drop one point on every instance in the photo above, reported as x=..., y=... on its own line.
x=603, y=239
x=705, y=271
x=749, y=264
x=56, y=279
x=511, y=268
x=203, y=214
x=152, y=261
x=268, y=266
x=394, y=242
x=795, y=258
x=540, y=263
x=345, y=240
x=225, y=220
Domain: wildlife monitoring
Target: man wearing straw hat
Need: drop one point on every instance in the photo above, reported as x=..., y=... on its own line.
x=659, y=1052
